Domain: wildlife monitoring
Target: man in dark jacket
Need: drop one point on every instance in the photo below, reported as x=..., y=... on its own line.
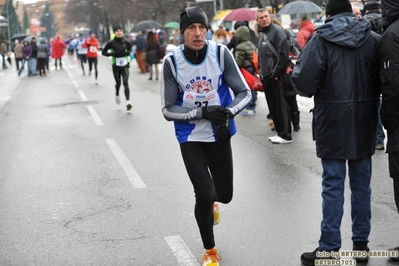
x=339, y=66
x=140, y=49
x=33, y=59
x=373, y=14
x=390, y=88
x=273, y=50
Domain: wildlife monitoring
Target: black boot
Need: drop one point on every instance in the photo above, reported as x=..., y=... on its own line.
x=295, y=121
x=394, y=250
x=362, y=251
x=309, y=258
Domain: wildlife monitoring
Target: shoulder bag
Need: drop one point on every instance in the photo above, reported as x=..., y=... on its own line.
x=285, y=79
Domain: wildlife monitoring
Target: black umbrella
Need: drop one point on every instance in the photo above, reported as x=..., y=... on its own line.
x=28, y=39
x=18, y=36
x=299, y=7
x=146, y=25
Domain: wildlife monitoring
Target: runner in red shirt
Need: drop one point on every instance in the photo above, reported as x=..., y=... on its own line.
x=92, y=46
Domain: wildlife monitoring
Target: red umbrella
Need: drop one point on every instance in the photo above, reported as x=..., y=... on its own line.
x=243, y=14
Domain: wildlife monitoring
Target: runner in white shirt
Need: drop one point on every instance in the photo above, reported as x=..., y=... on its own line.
x=81, y=52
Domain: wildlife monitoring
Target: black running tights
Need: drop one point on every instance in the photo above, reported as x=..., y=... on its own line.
x=210, y=168
x=93, y=60
x=121, y=72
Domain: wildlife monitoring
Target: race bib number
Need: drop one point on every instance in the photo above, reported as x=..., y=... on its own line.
x=93, y=49
x=192, y=99
x=121, y=61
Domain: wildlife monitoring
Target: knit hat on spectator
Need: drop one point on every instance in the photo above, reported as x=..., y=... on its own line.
x=192, y=15
x=371, y=6
x=335, y=7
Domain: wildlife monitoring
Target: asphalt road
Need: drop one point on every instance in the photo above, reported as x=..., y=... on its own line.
x=84, y=182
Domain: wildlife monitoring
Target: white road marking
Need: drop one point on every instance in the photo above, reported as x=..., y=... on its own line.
x=69, y=72
x=182, y=253
x=95, y=116
x=83, y=96
x=131, y=173
x=75, y=84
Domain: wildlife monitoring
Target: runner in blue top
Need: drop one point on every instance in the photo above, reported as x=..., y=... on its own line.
x=195, y=91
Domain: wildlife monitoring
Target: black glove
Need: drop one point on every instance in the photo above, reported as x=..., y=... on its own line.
x=215, y=113
x=223, y=133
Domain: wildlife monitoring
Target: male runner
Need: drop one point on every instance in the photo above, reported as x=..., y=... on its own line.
x=195, y=92
x=120, y=52
x=92, y=46
x=81, y=52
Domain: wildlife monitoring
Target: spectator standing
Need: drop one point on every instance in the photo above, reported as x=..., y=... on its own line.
x=318, y=19
x=390, y=90
x=290, y=93
x=356, y=12
x=33, y=58
x=140, y=49
x=42, y=53
x=373, y=14
x=26, y=54
x=243, y=56
x=209, y=33
x=273, y=49
x=49, y=43
x=233, y=41
x=57, y=51
x=18, y=53
x=306, y=29
x=339, y=67
x=3, y=52
x=153, y=51
x=221, y=36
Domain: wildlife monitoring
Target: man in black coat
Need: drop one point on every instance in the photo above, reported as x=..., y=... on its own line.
x=339, y=67
x=390, y=89
x=273, y=48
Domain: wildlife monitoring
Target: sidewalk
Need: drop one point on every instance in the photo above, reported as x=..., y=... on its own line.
x=9, y=82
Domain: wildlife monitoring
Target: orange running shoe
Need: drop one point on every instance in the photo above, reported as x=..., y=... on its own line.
x=211, y=257
x=216, y=214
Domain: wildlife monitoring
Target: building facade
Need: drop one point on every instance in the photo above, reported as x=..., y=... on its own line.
x=35, y=11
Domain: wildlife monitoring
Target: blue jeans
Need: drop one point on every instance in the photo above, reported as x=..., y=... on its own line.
x=333, y=184
x=380, y=129
x=4, y=60
x=22, y=66
x=32, y=66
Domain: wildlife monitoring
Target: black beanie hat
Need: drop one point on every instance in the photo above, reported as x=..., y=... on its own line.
x=116, y=27
x=335, y=7
x=372, y=5
x=192, y=15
